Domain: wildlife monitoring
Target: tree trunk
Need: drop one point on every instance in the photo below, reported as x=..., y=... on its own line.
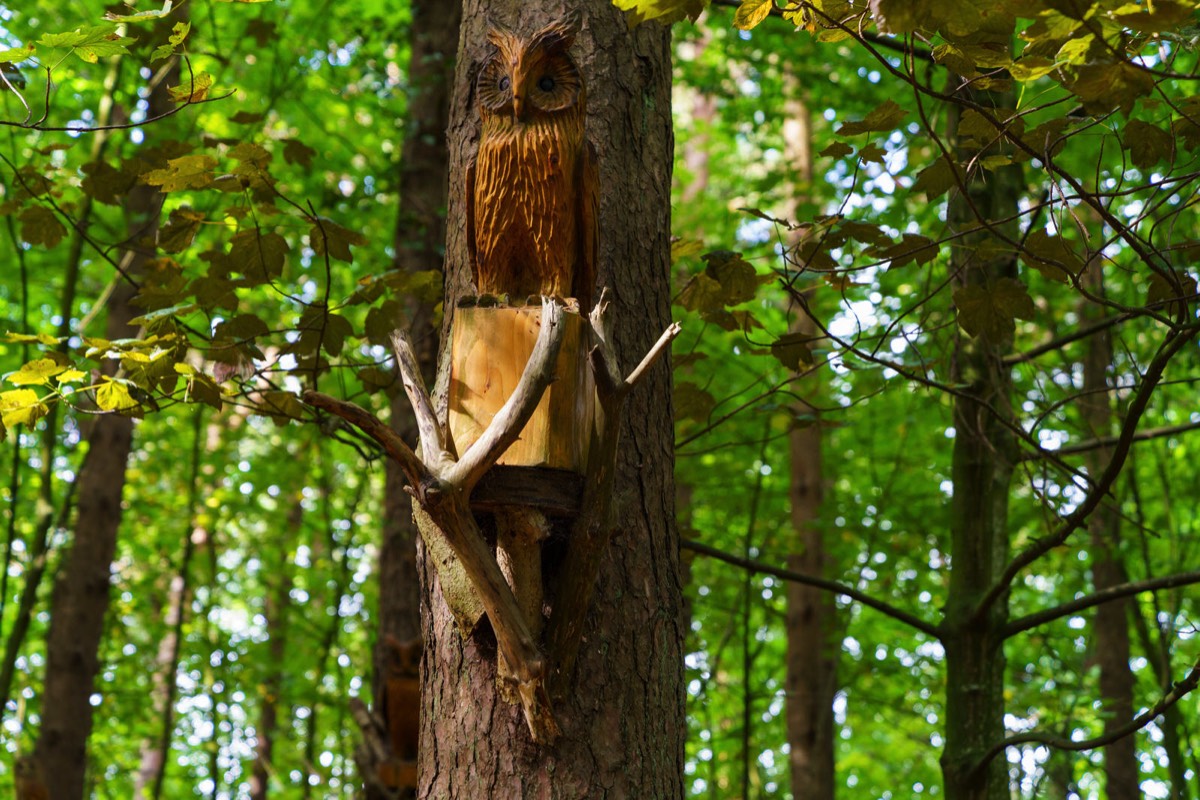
x=148, y=780
x=419, y=240
x=622, y=717
x=81, y=590
x=276, y=610
x=982, y=465
x=812, y=636
x=1104, y=525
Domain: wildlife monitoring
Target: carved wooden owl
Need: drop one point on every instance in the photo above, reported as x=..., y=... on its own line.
x=531, y=193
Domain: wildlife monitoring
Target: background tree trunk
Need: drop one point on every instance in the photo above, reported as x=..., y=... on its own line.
x=623, y=719
x=982, y=465
x=81, y=590
x=1104, y=526
x=812, y=635
x=419, y=242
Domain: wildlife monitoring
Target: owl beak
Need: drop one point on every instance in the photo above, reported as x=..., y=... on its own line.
x=518, y=107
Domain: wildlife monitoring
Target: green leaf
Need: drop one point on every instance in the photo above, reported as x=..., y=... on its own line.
x=1053, y=256
x=17, y=54
x=39, y=225
x=702, y=293
x=181, y=228
x=912, y=248
x=179, y=34
x=36, y=372
x=258, y=257
x=21, y=406
x=837, y=150
x=163, y=313
x=1175, y=291
x=937, y=178
x=692, y=402
x=955, y=59
x=91, y=43
x=751, y=12
x=185, y=172
x=884, y=117
x=1147, y=144
x=792, y=350
x=990, y=311
x=281, y=407
x=739, y=282
x=1103, y=87
x=331, y=237
x=297, y=152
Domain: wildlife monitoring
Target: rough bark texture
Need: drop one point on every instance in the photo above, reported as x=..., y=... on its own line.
x=1112, y=619
x=419, y=241
x=623, y=718
x=81, y=590
x=982, y=466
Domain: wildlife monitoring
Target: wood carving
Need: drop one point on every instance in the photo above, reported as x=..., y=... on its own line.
x=401, y=710
x=532, y=191
x=531, y=230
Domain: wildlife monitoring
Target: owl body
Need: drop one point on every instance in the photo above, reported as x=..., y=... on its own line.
x=531, y=193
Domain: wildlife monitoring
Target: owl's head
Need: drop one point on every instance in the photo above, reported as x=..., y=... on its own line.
x=527, y=77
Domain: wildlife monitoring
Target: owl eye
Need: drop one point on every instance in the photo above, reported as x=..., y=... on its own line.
x=505, y=83
x=546, y=84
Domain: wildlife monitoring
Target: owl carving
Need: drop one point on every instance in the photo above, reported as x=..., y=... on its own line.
x=532, y=190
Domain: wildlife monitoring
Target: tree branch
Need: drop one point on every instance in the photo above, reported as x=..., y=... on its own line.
x=433, y=440
x=1107, y=595
x=1109, y=441
x=908, y=619
x=1172, y=697
x=371, y=425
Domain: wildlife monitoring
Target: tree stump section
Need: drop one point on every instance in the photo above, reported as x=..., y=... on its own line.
x=489, y=349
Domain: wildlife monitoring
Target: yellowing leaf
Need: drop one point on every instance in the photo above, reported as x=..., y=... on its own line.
x=113, y=395
x=154, y=13
x=685, y=248
x=36, y=372
x=692, y=402
x=663, y=11
x=185, y=172
x=1031, y=68
x=181, y=228
x=21, y=406
x=193, y=90
x=30, y=338
x=751, y=12
x=71, y=376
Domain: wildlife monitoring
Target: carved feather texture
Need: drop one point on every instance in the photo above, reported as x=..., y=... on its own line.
x=532, y=188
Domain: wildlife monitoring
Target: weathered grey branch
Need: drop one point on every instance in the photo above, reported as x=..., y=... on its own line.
x=433, y=440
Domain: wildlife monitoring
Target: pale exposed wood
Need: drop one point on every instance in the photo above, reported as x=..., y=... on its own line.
x=520, y=531
x=489, y=351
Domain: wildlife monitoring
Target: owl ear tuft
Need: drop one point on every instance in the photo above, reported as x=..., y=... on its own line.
x=560, y=35
x=498, y=33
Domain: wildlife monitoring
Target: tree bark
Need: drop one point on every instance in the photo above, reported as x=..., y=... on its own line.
x=1104, y=526
x=81, y=590
x=419, y=241
x=622, y=717
x=982, y=465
